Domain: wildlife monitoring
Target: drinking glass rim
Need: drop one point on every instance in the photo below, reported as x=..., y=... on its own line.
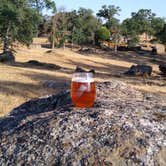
x=86, y=74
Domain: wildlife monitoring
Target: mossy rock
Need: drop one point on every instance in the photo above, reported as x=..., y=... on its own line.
x=7, y=57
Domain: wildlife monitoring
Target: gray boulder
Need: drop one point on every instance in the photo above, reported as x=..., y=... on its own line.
x=125, y=127
x=162, y=68
x=7, y=57
x=139, y=70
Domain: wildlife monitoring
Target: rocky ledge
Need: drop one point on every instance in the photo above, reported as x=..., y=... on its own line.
x=125, y=127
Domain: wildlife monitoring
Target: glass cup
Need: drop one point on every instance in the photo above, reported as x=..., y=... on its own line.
x=83, y=90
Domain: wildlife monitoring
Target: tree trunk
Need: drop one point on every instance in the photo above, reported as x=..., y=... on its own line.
x=72, y=42
x=6, y=41
x=116, y=43
x=53, y=32
x=53, y=41
x=93, y=38
x=64, y=46
x=147, y=36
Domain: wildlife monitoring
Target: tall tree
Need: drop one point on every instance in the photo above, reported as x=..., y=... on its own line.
x=77, y=26
x=162, y=35
x=143, y=21
x=89, y=24
x=109, y=14
x=157, y=24
x=129, y=31
x=19, y=21
x=59, y=29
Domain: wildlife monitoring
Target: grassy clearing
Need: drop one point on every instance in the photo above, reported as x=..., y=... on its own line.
x=20, y=83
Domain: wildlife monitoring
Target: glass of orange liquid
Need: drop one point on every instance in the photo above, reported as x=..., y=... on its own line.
x=83, y=89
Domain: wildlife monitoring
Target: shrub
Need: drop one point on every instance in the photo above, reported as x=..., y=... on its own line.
x=102, y=34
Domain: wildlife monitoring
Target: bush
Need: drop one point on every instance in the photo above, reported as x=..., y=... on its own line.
x=102, y=34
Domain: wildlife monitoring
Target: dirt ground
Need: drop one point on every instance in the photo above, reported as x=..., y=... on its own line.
x=21, y=82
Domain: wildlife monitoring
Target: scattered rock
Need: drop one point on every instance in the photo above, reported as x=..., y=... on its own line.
x=106, y=48
x=87, y=51
x=139, y=70
x=134, y=48
x=34, y=62
x=162, y=68
x=55, y=84
x=122, y=48
x=125, y=127
x=154, y=50
x=7, y=57
x=80, y=70
x=42, y=64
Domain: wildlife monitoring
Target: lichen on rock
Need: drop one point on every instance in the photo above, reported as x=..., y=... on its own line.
x=123, y=128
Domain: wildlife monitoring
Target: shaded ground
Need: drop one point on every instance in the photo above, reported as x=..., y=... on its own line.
x=22, y=82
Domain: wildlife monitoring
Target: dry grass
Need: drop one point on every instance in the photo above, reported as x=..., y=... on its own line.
x=20, y=83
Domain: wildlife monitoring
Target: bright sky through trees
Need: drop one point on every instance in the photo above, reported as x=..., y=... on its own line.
x=127, y=6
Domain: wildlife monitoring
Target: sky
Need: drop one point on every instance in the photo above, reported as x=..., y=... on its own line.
x=127, y=6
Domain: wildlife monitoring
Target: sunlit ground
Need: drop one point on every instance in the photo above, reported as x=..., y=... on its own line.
x=20, y=83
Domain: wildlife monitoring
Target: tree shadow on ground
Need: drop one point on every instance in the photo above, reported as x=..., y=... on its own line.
x=144, y=57
x=33, y=107
x=60, y=82
x=103, y=68
x=139, y=57
x=25, y=90
x=15, y=88
x=37, y=65
x=117, y=71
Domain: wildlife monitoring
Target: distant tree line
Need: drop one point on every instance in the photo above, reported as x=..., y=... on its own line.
x=21, y=20
x=82, y=27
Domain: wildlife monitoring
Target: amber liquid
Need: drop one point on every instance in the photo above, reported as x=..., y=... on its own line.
x=83, y=94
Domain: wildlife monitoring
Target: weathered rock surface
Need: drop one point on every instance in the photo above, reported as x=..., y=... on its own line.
x=125, y=127
x=7, y=57
x=139, y=70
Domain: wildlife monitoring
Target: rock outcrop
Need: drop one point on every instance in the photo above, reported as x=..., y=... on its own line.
x=35, y=63
x=162, y=68
x=7, y=57
x=125, y=127
x=139, y=70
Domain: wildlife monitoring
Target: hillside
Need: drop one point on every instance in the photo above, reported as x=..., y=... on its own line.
x=24, y=81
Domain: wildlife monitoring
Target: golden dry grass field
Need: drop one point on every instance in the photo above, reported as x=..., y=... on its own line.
x=22, y=82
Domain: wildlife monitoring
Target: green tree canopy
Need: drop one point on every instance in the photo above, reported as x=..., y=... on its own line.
x=77, y=26
x=143, y=21
x=19, y=20
x=109, y=13
x=157, y=25
x=102, y=34
x=162, y=35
